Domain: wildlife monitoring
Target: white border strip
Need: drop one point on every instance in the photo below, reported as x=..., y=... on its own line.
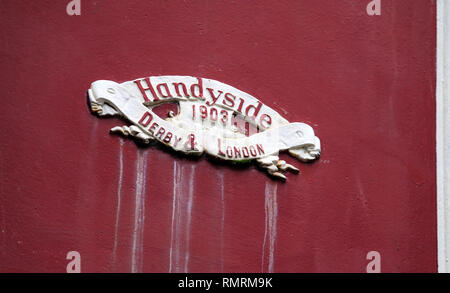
x=443, y=134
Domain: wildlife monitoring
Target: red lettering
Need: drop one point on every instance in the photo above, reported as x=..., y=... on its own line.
x=203, y=112
x=224, y=116
x=199, y=86
x=229, y=152
x=147, y=116
x=230, y=99
x=220, y=153
x=213, y=114
x=237, y=152
x=260, y=149
x=177, y=140
x=245, y=152
x=240, y=105
x=168, y=137
x=191, y=142
x=213, y=97
x=253, y=151
x=143, y=90
x=267, y=119
x=160, y=132
x=153, y=127
x=247, y=129
x=255, y=110
x=177, y=89
x=166, y=89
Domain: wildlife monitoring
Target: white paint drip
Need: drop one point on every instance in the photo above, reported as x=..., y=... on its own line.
x=175, y=188
x=3, y=228
x=222, y=227
x=119, y=201
x=189, y=213
x=263, y=256
x=271, y=211
x=182, y=204
x=139, y=214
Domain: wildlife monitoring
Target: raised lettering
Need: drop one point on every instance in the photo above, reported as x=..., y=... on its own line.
x=199, y=86
x=213, y=97
x=144, y=90
x=143, y=120
x=177, y=89
x=166, y=89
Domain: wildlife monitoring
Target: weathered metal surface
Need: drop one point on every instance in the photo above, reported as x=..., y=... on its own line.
x=366, y=84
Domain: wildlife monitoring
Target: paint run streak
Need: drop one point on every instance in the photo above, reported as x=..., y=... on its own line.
x=119, y=201
x=174, y=206
x=139, y=214
x=189, y=213
x=222, y=226
x=271, y=210
x=183, y=198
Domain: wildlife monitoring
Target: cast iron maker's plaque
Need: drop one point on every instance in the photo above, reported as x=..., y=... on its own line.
x=212, y=117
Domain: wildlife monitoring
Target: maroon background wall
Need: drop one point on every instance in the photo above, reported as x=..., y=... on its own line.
x=365, y=84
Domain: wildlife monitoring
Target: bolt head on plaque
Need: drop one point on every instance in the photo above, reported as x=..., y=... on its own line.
x=212, y=117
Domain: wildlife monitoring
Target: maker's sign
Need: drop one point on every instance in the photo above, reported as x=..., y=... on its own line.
x=212, y=117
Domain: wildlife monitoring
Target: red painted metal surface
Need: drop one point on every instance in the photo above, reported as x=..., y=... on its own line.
x=365, y=84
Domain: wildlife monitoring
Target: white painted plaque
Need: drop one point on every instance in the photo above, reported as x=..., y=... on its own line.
x=212, y=118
